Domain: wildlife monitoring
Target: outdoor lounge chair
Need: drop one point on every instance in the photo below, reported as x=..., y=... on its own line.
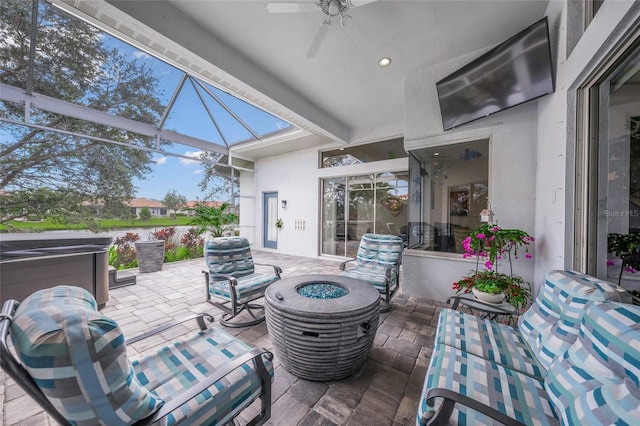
x=377, y=263
x=232, y=281
x=73, y=362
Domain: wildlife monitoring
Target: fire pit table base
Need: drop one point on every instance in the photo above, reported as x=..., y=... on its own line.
x=322, y=334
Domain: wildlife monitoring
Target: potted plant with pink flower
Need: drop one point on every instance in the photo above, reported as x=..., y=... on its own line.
x=492, y=246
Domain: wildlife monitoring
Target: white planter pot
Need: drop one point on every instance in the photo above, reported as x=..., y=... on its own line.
x=494, y=299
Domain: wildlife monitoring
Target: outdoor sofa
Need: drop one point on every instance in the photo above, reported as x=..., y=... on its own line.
x=574, y=359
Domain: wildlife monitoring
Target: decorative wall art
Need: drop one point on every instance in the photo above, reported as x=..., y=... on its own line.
x=394, y=204
x=459, y=203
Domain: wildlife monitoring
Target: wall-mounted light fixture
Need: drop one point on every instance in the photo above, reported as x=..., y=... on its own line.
x=284, y=204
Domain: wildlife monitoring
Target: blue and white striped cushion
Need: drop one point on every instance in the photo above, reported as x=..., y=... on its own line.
x=78, y=358
x=377, y=251
x=249, y=287
x=488, y=339
x=232, y=256
x=378, y=279
x=376, y=254
x=552, y=322
x=596, y=381
x=229, y=255
x=176, y=368
x=517, y=395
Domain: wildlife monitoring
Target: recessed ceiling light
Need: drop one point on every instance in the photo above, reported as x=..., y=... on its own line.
x=384, y=62
x=436, y=153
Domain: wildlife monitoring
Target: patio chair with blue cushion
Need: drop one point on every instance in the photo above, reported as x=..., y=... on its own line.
x=377, y=263
x=73, y=361
x=232, y=280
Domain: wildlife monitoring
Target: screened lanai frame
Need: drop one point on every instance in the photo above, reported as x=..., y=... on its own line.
x=212, y=100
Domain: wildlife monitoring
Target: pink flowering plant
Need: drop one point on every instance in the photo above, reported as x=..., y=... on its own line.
x=490, y=245
x=122, y=254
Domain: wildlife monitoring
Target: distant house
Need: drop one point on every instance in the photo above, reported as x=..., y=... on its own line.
x=95, y=206
x=156, y=208
x=192, y=204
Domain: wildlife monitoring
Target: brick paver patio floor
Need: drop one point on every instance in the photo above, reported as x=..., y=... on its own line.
x=384, y=392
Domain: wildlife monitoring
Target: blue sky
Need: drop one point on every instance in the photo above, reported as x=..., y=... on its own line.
x=170, y=173
x=190, y=117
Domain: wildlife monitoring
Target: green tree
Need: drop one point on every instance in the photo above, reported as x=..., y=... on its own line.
x=217, y=186
x=145, y=214
x=218, y=221
x=72, y=64
x=174, y=201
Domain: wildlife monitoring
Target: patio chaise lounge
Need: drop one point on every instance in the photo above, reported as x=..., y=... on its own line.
x=74, y=364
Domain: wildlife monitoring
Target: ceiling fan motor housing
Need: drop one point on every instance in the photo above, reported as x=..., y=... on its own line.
x=333, y=7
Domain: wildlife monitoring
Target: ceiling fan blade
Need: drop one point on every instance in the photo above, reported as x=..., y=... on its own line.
x=356, y=3
x=318, y=38
x=291, y=7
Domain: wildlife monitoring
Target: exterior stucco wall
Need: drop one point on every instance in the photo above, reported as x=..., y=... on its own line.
x=296, y=178
x=247, y=206
x=552, y=155
x=512, y=164
x=537, y=194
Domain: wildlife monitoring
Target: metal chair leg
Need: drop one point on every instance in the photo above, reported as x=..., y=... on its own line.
x=228, y=316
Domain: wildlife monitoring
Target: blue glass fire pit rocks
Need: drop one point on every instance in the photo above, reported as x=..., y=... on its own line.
x=322, y=290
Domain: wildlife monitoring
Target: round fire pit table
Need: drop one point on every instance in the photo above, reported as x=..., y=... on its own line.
x=322, y=326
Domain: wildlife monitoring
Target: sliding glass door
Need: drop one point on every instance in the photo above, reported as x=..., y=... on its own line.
x=333, y=214
x=355, y=205
x=608, y=163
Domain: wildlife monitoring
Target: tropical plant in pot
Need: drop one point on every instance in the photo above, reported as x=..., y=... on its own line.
x=491, y=244
x=217, y=221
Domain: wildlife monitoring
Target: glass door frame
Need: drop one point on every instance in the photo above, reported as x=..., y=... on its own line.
x=354, y=227
x=589, y=249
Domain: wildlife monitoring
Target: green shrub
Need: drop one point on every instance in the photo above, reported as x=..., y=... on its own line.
x=145, y=214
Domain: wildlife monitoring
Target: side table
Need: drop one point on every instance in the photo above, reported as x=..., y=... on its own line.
x=483, y=309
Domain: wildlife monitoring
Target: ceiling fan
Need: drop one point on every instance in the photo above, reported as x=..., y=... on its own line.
x=330, y=8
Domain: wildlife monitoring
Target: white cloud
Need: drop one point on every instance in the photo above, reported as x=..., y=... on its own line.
x=159, y=160
x=198, y=172
x=193, y=154
x=140, y=54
